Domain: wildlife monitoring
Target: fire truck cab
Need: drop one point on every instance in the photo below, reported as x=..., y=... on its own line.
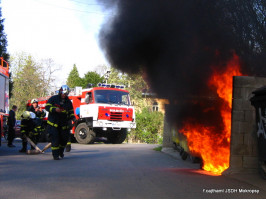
x=103, y=111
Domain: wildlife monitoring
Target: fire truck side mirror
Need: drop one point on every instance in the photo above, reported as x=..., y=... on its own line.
x=88, y=98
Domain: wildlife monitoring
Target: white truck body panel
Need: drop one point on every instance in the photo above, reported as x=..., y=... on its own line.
x=113, y=124
x=91, y=110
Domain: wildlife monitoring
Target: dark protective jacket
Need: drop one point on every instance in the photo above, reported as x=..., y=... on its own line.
x=39, y=114
x=11, y=119
x=59, y=119
x=27, y=126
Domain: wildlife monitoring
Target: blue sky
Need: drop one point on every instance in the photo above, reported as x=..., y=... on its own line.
x=64, y=30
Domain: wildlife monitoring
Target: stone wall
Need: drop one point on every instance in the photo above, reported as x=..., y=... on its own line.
x=244, y=149
x=167, y=136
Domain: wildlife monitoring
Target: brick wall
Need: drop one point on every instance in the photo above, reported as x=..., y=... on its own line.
x=244, y=150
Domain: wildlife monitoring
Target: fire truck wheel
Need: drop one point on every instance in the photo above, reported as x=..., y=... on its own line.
x=195, y=159
x=117, y=137
x=83, y=134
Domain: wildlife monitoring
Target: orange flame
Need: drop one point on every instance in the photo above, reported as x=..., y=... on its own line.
x=213, y=148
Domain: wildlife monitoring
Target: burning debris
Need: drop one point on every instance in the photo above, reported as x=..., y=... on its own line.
x=211, y=144
x=189, y=50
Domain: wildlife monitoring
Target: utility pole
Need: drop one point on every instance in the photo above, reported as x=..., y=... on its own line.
x=107, y=75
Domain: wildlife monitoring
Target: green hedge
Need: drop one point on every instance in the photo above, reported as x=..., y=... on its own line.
x=149, y=127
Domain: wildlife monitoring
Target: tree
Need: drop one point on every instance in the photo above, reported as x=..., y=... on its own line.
x=101, y=69
x=3, y=40
x=73, y=78
x=91, y=77
x=136, y=87
x=47, y=73
x=117, y=77
x=29, y=80
x=246, y=20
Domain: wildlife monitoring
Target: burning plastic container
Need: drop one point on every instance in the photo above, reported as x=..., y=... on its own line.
x=259, y=102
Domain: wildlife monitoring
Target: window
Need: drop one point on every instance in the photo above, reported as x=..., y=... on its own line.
x=111, y=97
x=155, y=107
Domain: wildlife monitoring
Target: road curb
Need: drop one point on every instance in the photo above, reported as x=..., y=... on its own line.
x=252, y=178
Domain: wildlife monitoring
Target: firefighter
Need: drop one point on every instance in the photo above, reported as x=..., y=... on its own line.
x=36, y=109
x=61, y=112
x=68, y=145
x=40, y=114
x=11, y=126
x=28, y=129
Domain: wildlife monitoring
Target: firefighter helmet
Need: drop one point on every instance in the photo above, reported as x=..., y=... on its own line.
x=34, y=101
x=26, y=114
x=64, y=90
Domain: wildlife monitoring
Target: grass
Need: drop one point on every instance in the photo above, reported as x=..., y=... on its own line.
x=159, y=148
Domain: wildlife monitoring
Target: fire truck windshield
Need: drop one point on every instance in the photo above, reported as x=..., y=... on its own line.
x=111, y=97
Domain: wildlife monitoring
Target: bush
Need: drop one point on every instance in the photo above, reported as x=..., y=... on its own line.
x=149, y=127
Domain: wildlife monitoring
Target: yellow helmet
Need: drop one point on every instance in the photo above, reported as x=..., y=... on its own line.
x=26, y=114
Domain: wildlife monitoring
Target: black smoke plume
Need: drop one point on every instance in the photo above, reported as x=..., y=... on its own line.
x=177, y=42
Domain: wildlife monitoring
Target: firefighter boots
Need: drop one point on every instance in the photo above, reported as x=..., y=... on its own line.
x=61, y=152
x=24, y=147
x=68, y=147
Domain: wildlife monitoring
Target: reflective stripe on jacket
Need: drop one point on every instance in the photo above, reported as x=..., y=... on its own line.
x=59, y=119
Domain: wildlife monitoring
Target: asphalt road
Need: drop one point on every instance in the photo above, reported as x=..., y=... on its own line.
x=106, y=171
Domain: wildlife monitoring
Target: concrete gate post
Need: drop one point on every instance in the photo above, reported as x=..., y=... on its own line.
x=243, y=147
x=167, y=137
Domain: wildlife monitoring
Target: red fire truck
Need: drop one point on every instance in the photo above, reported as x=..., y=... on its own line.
x=103, y=111
x=4, y=94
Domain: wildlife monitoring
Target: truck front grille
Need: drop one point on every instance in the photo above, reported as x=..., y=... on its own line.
x=116, y=116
